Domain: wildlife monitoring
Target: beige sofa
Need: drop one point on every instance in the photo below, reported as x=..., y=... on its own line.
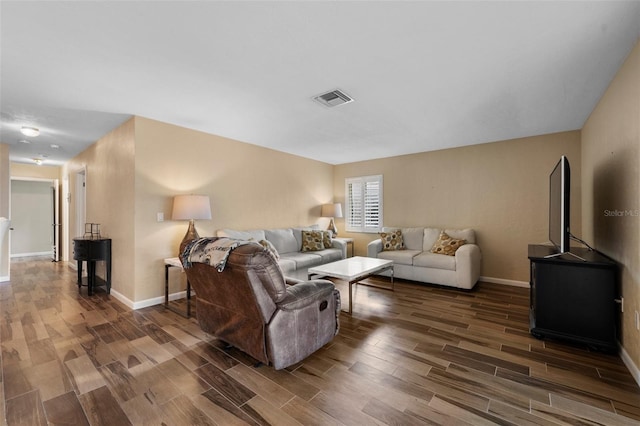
x=288, y=243
x=416, y=262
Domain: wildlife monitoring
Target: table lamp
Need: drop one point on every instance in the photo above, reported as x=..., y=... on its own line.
x=191, y=207
x=332, y=210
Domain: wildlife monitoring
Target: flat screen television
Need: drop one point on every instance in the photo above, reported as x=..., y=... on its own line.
x=559, y=205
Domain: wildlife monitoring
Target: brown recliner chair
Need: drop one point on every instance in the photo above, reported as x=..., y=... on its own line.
x=250, y=305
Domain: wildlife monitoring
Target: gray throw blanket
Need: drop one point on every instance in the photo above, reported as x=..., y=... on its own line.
x=213, y=251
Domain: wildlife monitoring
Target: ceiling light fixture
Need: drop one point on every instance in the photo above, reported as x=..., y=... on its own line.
x=30, y=131
x=38, y=161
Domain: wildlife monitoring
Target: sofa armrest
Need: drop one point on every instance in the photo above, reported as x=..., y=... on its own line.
x=306, y=293
x=340, y=245
x=468, y=261
x=374, y=247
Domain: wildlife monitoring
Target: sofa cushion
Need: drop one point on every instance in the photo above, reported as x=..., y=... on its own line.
x=287, y=265
x=437, y=261
x=297, y=232
x=312, y=241
x=392, y=240
x=329, y=255
x=283, y=240
x=413, y=238
x=255, y=235
x=446, y=245
x=327, y=239
x=303, y=260
x=462, y=234
x=430, y=237
x=401, y=257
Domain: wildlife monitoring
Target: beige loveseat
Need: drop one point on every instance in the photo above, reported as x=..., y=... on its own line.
x=293, y=261
x=416, y=261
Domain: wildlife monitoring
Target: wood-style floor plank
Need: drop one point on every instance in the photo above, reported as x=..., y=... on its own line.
x=418, y=355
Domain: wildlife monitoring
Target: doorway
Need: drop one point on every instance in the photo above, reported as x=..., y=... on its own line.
x=34, y=207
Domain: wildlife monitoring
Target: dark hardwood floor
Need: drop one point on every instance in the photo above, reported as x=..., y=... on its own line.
x=419, y=355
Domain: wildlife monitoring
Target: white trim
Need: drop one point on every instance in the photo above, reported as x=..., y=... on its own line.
x=32, y=179
x=148, y=302
x=5, y=278
x=34, y=254
x=626, y=359
x=122, y=298
x=514, y=283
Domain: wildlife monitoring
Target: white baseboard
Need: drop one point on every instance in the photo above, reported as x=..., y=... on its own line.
x=122, y=298
x=513, y=283
x=4, y=278
x=147, y=302
x=633, y=368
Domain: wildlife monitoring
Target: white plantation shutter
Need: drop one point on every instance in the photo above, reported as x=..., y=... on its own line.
x=364, y=204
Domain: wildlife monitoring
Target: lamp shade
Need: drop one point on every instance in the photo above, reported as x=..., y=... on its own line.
x=189, y=207
x=331, y=210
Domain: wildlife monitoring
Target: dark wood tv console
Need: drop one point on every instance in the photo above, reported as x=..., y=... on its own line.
x=572, y=299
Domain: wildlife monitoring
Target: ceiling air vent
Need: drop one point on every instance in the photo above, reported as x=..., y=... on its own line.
x=333, y=98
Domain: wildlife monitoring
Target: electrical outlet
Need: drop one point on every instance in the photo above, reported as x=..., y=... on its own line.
x=160, y=217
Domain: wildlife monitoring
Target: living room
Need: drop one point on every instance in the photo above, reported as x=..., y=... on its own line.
x=498, y=188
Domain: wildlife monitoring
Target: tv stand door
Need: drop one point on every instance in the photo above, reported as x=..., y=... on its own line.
x=574, y=300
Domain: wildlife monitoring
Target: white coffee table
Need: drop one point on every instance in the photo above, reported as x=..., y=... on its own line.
x=353, y=269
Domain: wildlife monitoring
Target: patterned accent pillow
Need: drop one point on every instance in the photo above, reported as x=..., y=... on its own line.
x=270, y=248
x=447, y=245
x=312, y=241
x=392, y=240
x=327, y=237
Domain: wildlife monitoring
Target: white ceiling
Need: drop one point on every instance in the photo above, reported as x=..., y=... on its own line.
x=425, y=75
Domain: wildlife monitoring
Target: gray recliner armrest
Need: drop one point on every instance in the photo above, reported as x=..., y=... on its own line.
x=305, y=293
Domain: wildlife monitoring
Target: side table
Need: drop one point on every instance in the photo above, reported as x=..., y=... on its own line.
x=174, y=262
x=92, y=250
x=347, y=241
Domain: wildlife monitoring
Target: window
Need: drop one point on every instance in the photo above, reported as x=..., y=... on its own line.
x=364, y=204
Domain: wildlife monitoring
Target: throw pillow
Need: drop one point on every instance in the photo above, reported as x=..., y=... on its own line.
x=312, y=241
x=327, y=236
x=270, y=248
x=392, y=240
x=447, y=245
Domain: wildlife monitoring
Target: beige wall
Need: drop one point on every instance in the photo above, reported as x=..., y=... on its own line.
x=249, y=187
x=500, y=189
x=611, y=182
x=109, y=165
x=32, y=171
x=5, y=180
